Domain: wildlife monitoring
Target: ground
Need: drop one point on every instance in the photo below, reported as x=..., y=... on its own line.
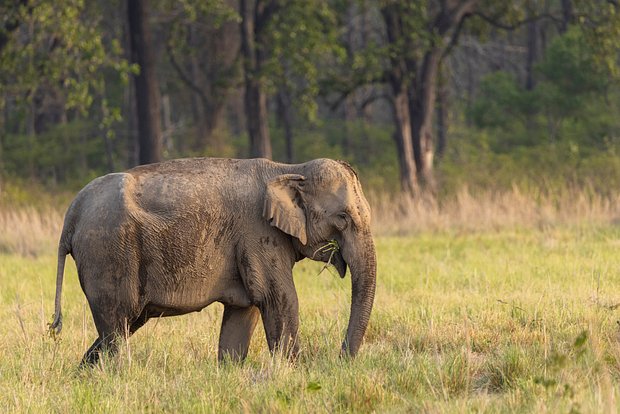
x=496, y=320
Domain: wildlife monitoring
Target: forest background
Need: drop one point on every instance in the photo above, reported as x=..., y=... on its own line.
x=486, y=135
x=423, y=98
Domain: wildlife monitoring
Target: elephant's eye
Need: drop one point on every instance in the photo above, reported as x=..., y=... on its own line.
x=342, y=221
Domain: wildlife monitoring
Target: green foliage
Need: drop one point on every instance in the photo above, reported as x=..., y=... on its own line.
x=302, y=40
x=211, y=12
x=564, y=132
x=71, y=153
x=415, y=38
x=501, y=102
x=569, y=65
x=59, y=50
x=600, y=22
x=480, y=161
x=572, y=90
x=189, y=20
x=571, y=77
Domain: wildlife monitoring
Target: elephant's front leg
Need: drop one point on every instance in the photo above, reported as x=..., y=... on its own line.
x=237, y=327
x=280, y=313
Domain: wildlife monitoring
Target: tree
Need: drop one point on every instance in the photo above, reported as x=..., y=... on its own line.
x=202, y=46
x=418, y=36
x=255, y=17
x=284, y=45
x=284, y=103
x=399, y=83
x=57, y=64
x=146, y=84
x=569, y=94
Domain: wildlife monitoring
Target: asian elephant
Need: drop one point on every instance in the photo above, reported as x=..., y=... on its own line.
x=171, y=238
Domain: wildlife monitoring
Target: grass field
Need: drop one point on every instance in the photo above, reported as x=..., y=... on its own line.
x=512, y=319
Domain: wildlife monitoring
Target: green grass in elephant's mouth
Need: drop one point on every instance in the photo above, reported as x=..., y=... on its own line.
x=331, y=247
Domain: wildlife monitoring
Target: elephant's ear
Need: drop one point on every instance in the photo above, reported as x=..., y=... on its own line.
x=283, y=205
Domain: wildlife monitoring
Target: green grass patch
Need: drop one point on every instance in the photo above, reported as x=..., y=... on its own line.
x=510, y=320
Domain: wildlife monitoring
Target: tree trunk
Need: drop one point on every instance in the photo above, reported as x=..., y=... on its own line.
x=129, y=99
x=422, y=97
x=252, y=24
x=198, y=109
x=256, y=113
x=209, y=87
x=146, y=85
x=400, y=102
x=532, y=52
x=349, y=106
x=5, y=132
x=284, y=115
x=442, y=113
x=421, y=76
x=366, y=109
x=567, y=15
x=402, y=138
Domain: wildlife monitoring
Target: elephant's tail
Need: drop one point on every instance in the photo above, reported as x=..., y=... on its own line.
x=56, y=326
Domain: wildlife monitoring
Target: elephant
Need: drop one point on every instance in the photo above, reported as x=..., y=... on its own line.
x=173, y=237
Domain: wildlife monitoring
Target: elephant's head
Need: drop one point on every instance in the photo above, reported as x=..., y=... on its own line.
x=322, y=203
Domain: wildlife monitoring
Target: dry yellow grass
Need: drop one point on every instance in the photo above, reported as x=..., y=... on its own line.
x=492, y=210
x=498, y=303
x=29, y=231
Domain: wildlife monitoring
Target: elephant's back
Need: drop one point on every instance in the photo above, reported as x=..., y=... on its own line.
x=211, y=170
x=187, y=186
x=153, y=198
x=98, y=219
x=103, y=200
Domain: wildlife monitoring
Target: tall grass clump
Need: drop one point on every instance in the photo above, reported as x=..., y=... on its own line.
x=492, y=210
x=514, y=311
x=28, y=231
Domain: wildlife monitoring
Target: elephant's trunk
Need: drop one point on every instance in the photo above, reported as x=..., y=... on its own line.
x=363, y=264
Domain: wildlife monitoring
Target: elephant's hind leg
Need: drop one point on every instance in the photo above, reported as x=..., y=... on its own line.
x=107, y=343
x=115, y=319
x=91, y=357
x=237, y=328
x=110, y=333
x=109, y=337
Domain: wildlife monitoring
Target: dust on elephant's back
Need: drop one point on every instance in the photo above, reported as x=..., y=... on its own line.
x=181, y=238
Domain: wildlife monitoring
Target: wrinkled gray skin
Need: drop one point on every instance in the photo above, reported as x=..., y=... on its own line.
x=171, y=238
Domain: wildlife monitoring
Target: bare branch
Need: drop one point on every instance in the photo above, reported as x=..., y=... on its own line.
x=449, y=18
x=496, y=23
x=347, y=87
x=455, y=36
x=184, y=77
x=375, y=97
x=263, y=13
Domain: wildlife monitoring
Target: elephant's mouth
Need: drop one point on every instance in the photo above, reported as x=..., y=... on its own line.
x=339, y=264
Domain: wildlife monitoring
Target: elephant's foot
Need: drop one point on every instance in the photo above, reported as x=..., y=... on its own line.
x=107, y=344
